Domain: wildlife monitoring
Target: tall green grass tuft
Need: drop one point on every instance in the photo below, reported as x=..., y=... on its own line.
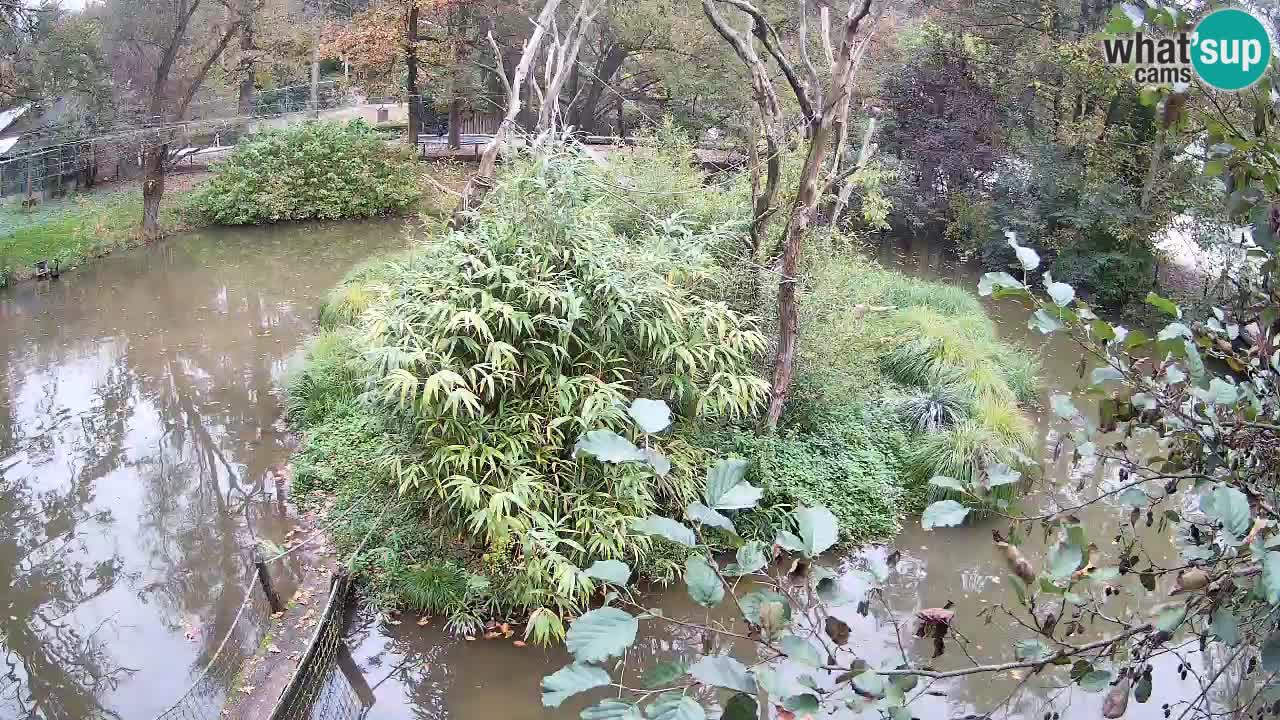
x=326, y=382
x=930, y=352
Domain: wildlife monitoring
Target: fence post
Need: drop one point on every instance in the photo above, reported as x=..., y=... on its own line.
x=265, y=580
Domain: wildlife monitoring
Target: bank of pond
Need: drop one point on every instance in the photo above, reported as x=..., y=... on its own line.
x=442, y=402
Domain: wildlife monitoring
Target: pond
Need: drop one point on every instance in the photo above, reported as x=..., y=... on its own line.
x=140, y=422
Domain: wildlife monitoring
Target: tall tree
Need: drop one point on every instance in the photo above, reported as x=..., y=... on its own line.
x=821, y=106
x=162, y=53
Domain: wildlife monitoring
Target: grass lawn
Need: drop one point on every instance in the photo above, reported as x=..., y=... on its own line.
x=74, y=229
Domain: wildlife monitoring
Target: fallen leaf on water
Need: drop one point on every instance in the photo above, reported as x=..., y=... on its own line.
x=518, y=643
x=471, y=637
x=422, y=621
x=272, y=648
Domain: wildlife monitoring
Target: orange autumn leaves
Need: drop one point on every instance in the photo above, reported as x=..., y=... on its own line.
x=374, y=41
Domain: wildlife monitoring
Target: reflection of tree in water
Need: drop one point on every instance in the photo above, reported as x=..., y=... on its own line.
x=52, y=670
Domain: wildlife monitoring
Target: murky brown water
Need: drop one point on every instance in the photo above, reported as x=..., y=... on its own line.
x=139, y=416
x=419, y=673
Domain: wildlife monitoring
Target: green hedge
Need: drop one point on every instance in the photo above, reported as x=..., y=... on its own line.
x=312, y=171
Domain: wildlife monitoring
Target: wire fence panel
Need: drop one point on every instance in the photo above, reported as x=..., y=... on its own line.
x=320, y=689
x=207, y=696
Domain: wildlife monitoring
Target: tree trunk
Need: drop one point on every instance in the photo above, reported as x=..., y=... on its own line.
x=788, y=309
x=315, y=74
x=153, y=176
x=247, y=77
x=478, y=186
x=455, y=123
x=411, y=75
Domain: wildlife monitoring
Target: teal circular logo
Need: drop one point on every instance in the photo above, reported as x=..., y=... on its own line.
x=1230, y=49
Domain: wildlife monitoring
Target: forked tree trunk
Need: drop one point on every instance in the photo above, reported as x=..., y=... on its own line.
x=480, y=183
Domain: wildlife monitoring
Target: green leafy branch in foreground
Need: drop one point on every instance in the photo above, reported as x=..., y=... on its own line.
x=1177, y=443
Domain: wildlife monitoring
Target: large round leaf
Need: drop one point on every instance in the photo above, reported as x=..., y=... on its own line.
x=702, y=582
x=675, y=706
x=601, y=634
x=571, y=680
x=651, y=416
x=665, y=527
x=724, y=672
x=610, y=571
x=944, y=513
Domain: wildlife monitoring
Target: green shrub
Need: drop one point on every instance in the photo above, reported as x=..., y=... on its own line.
x=488, y=352
x=850, y=464
x=1110, y=279
x=315, y=170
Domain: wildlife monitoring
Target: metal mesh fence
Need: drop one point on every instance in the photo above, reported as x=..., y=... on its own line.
x=238, y=638
x=325, y=685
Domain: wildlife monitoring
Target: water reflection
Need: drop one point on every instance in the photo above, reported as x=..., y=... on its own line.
x=139, y=425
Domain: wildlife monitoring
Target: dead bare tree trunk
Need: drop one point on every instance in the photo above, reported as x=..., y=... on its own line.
x=563, y=60
x=480, y=183
x=771, y=119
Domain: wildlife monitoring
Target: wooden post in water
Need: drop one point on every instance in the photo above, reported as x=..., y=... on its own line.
x=264, y=578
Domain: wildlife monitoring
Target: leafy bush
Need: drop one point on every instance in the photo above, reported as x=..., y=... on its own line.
x=316, y=170
x=488, y=353
x=849, y=464
x=1110, y=279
